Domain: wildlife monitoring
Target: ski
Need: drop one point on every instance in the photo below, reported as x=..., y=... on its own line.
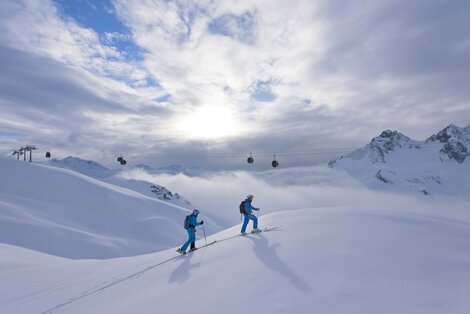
x=265, y=229
x=205, y=245
x=202, y=246
x=270, y=228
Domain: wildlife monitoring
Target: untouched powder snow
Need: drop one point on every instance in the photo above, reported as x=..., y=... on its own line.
x=64, y=213
x=322, y=260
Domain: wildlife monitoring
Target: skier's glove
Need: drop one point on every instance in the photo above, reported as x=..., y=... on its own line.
x=202, y=222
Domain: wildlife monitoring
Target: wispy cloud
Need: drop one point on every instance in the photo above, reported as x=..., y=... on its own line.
x=285, y=75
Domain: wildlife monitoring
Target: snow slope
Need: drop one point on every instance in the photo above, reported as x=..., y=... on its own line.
x=96, y=170
x=323, y=260
x=86, y=167
x=150, y=190
x=392, y=161
x=68, y=214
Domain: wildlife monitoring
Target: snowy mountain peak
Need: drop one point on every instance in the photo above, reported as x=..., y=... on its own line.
x=391, y=134
x=456, y=143
x=390, y=140
x=381, y=145
x=394, y=161
x=451, y=133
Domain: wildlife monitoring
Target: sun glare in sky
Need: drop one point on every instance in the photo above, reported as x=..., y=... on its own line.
x=209, y=122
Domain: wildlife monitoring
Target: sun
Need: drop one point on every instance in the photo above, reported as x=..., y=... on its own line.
x=209, y=122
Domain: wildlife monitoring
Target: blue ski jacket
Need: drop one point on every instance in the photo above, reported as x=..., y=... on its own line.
x=248, y=207
x=193, y=222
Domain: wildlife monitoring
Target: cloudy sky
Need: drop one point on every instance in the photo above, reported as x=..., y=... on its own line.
x=204, y=83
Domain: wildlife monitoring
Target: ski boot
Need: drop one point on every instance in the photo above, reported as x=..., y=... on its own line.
x=179, y=250
x=242, y=233
x=256, y=230
x=192, y=249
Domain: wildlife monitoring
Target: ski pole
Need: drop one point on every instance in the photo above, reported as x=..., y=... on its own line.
x=204, y=231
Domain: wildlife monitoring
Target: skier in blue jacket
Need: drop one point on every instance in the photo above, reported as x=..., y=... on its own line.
x=248, y=214
x=191, y=229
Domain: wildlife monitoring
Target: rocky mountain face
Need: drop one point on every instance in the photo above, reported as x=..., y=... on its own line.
x=392, y=160
x=387, y=142
x=163, y=193
x=455, y=143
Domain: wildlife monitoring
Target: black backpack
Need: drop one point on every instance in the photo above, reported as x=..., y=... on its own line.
x=186, y=221
x=242, y=208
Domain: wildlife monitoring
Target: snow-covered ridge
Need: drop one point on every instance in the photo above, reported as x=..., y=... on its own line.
x=453, y=143
x=98, y=171
x=394, y=161
x=86, y=167
x=151, y=190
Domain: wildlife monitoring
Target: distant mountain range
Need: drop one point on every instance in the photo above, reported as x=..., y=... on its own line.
x=391, y=161
x=171, y=169
x=438, y=165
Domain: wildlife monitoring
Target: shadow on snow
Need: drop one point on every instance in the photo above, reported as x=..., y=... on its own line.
x=267, y=254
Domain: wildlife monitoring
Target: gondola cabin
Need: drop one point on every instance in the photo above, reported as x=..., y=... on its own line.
x=275, y=163
x=250, y=159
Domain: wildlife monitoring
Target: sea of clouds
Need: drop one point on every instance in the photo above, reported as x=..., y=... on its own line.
x=220, y=193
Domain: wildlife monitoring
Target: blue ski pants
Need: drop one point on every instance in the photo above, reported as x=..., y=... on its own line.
x=247, y=219
x=192, y=238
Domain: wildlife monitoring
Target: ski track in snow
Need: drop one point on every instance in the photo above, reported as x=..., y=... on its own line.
x=424, y=257
x=141, y=272
x=88, y=293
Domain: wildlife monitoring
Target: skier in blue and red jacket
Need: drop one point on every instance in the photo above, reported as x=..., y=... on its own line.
x=248, y=215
